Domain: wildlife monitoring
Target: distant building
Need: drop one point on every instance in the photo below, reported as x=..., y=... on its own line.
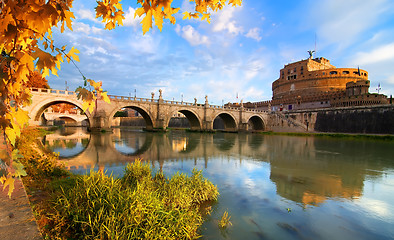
x=316, y=83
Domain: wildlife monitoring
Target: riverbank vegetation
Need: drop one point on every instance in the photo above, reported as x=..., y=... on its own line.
x=140, y=205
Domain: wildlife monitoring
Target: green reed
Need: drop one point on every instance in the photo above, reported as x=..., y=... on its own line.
x=138, y=206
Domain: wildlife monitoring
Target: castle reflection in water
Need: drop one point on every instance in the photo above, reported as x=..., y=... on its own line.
x=307, y=170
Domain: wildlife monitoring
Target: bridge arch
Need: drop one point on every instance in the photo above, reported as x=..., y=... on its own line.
x=230, y=124
x=192, y=116
x=257, y=123
x=37, y=110
x=141, y=110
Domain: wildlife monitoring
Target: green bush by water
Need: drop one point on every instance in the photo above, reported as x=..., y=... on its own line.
x=138, y=206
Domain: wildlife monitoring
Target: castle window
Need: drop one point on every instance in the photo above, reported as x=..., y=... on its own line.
x=295, y=69
x=333, y=72
x=324, y=73
x=345, y=72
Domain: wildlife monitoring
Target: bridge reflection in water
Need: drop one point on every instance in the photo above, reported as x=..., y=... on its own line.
x=328, y=182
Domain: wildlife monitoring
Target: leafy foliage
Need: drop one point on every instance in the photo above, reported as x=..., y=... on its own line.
x=35, y=80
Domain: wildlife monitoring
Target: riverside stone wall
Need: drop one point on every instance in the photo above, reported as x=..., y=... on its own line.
x=364, y=119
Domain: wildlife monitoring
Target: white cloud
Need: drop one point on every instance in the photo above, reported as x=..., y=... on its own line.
x=129, y=20
x=390, y=79
x=81, y=27
x=379, y=54
x=223, y=21
x=192, y=35
x=144, y=43
x=87, y=14
x=254, y=33
x=343, y=22
x=253, y=68
x=178, y=29
x=253, y=93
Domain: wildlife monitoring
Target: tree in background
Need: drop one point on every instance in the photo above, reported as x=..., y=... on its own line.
x=27, y=45
x=35, y=80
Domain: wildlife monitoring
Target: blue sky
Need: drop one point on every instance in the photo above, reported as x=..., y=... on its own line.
x=240, y=52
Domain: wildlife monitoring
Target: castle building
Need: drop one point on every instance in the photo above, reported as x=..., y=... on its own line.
x=316, y=83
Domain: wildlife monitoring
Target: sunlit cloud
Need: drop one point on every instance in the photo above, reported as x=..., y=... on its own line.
x=254, y=33
x=342, y=22
x=129, y=20
x=379, y=54
x=192, y=35
x=224, y=21
x=87, y=14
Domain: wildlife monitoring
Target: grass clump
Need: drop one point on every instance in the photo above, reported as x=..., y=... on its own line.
x=138, y=206
x=224, y=222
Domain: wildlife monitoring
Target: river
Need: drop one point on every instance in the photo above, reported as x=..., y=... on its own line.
x=273, y=187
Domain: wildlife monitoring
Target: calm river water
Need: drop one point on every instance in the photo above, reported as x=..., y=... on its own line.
x=274, y=187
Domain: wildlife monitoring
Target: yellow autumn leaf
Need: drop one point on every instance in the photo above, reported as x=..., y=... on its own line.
x=138, y=12
x=206, y=16
x=235, y=2
x=72, y=54
x=19, y=169
x=105, y=97
x=158, y=15
x=11, y=135
x=10, y=182
x=186, y=15
x=94, y=84
x=88, y=106
x=110, y=25
x=147, y=22
x=22, y=116
x=68, y=16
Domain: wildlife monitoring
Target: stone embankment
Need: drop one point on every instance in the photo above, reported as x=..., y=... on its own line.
x=378, y=119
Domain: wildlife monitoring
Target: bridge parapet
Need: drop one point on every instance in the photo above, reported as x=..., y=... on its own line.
x=52, y=91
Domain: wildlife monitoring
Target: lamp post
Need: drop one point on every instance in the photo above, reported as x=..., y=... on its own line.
x=182, y=98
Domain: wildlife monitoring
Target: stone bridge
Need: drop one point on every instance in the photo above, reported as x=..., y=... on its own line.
x=76, y=118
x=156, y=112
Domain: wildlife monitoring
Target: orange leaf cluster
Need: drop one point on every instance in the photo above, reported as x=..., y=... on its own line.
x=90, y=97
x=25, y=25
x=157, y=10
